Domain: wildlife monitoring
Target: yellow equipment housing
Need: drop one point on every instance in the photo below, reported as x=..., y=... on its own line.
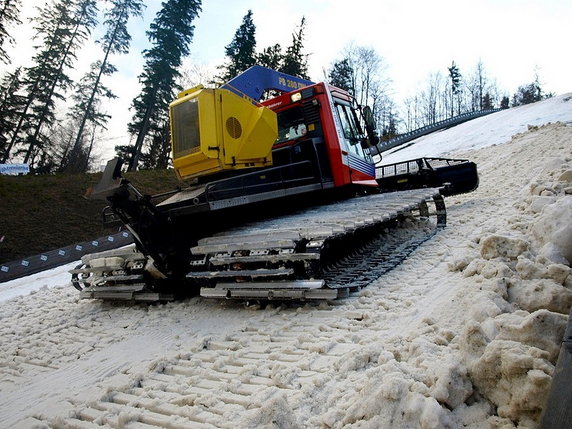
x=215, y=129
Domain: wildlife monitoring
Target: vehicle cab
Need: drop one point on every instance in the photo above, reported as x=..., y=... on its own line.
x=330, y=119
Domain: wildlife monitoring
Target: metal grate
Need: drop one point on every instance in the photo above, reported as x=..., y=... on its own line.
x=233, y=127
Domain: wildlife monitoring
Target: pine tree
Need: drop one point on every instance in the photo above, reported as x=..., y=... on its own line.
x=170, y=34
x=455, y=76
x=505, y=101
x=62, y=26
x=10, y=104
x=71, y=159
x=75, y=33
x=87, y=96
x=35, y=77
x=389, y=130
x=271, y=57
x=158, y=155
x=241, y=51
x=341, y=75
x=90, y=90
x=9, y=15
x=125, y=151
x=295, y=62
x=526, y=94
x=487, y=102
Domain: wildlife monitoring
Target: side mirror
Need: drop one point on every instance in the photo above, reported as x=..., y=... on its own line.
x=370, y=126
x=368, y=116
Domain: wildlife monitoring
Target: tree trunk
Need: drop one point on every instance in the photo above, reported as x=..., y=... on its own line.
x=142, y=132
x=96, y=85
x=88, y=154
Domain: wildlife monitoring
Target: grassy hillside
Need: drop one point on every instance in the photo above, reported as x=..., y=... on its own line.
x=40, y=213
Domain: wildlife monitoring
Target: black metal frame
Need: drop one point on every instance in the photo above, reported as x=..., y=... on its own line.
x=456, y=176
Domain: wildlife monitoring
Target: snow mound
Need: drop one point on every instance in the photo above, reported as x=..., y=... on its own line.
x=515, y=377
x=538, y=294
x=518, y=321
x=496, y=246
x=554, y=227
x=542, y=329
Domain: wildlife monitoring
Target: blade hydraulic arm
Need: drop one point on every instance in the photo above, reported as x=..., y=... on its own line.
x=257, y=79
x=153, y=231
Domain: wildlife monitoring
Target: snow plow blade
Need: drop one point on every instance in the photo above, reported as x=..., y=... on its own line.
x=117, y=275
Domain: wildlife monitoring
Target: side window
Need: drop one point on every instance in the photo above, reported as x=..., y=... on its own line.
x=351, y=133
x=291, y=125
x=346, y=123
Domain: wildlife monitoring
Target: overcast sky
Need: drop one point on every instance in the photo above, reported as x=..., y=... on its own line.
x=512, y=38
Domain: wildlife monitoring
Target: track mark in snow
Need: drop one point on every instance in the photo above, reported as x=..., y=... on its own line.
x=224, y=382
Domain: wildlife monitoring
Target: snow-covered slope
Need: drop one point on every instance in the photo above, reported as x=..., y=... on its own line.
x=464, y=333
x=486, y=131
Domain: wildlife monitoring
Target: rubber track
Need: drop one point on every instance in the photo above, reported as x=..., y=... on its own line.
x=376, y=258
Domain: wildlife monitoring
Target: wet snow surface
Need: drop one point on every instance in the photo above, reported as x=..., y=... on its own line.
x=465, y=333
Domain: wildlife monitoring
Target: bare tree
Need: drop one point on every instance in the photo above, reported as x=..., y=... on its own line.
x=441, y=94
x=365, y=77
x=476, y=87
x=482, y=90
x=432, y=99
x=412, y=114
x=194, y=74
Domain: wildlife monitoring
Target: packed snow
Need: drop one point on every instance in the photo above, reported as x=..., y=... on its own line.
x=485, y=131
x=465, y=333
